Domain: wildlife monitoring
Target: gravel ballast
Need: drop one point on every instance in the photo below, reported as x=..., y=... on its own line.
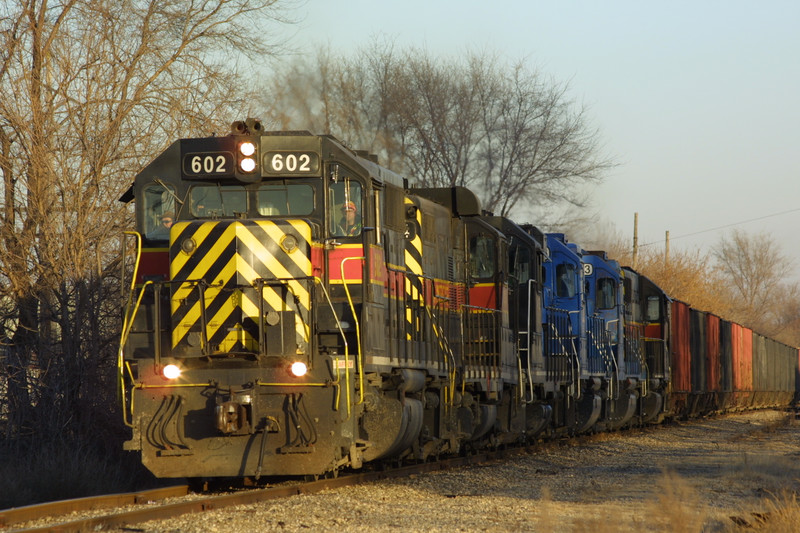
x=702, y=475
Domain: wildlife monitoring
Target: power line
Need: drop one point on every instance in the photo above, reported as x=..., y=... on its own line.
x=725, y=226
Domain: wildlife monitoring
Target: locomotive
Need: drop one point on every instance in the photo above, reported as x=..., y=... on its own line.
x=295, y=309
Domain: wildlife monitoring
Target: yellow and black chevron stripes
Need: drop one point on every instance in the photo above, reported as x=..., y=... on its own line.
x=235, y=265
x=413, y=259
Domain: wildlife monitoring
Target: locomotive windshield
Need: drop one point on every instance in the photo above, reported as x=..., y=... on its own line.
x=276, y=199
x=214, y=201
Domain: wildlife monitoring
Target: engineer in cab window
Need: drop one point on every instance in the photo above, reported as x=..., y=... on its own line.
x=350, y=223
x=162, y=231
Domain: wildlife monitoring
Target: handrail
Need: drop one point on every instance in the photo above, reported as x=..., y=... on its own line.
x=531, y=283
x=346, y=352
x=129, y=314
x=126, y=329
x=360, y=355
x=451, y=370
x=558, y=332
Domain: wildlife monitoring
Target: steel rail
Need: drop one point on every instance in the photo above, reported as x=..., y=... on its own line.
x=210, y=503
x=251, y=496
x=28, y=513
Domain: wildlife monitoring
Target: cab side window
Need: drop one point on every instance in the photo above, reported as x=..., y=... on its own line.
x=653, y=310
x=565, y=280
x=482, y=259
x=606, y=290
x=159, y=211
x=346, y=208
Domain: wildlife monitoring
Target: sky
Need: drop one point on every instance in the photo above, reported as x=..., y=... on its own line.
x=698, y=102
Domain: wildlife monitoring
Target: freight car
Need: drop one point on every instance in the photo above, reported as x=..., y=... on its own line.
x=296, y=309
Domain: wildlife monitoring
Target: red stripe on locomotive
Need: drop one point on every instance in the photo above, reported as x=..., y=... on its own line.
x=353, y=268
x=377, y=270
x=483, y=295
x=153, y=265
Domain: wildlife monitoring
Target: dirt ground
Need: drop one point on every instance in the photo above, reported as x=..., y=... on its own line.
x=728, y=474
x=734, y=473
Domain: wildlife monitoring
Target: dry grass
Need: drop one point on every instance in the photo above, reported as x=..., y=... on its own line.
x=766, y=429
x=677, y=507
x=781, y=514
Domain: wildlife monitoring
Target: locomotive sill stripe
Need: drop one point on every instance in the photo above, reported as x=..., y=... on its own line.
x=351, y=281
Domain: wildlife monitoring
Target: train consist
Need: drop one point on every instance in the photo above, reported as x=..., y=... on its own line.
x=296, y=309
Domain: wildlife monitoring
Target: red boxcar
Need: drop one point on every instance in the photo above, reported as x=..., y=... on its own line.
x=681, y=356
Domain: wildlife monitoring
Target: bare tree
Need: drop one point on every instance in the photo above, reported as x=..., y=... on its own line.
x=757, y=275
x=537, y=145
x=502, y=130
x=91, y=90
x=353, y=98
x=689, y=276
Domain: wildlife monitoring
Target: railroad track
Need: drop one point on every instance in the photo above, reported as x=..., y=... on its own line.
x=172, y=502
x=60, y=516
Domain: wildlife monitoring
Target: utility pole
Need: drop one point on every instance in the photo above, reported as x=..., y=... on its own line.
x=666, y=249
x=635, y=239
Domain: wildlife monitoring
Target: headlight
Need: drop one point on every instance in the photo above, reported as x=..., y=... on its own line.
x=299, y=369
x=171, y=372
